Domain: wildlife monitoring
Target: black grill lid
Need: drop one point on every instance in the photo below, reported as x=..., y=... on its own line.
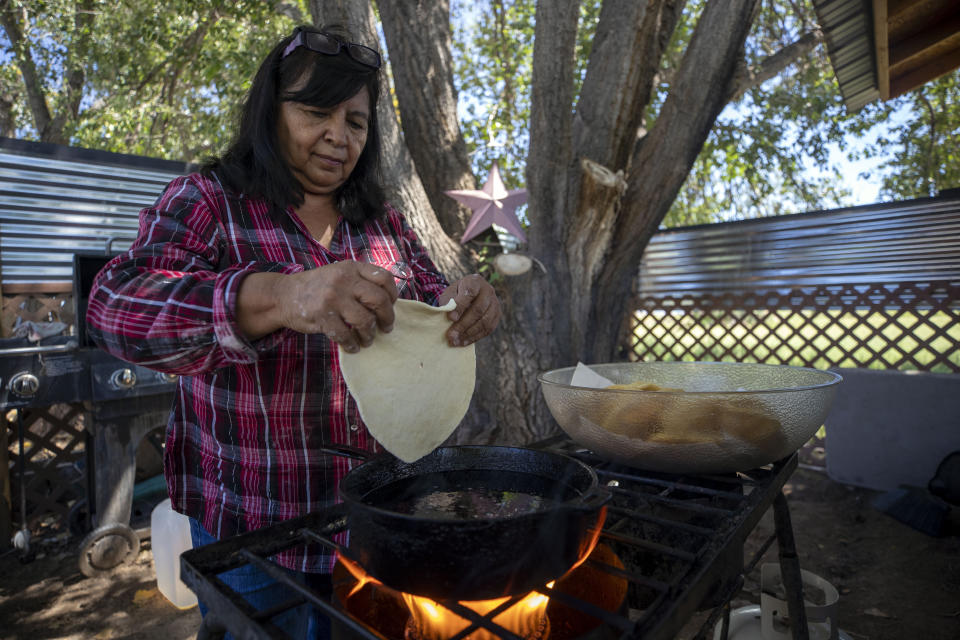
x=86, y=266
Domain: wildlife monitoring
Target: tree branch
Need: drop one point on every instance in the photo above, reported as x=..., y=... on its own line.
x=630, y=40
x=289, y=10
x=75, y=74
x=929, y=179
x=192, y=41
x=7, y=120
x=506, y=97
x=746, y=77
x=28, y=70
x=189, y=49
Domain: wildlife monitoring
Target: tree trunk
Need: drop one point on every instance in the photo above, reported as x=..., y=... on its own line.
x=404, y=188
x=488, y=415
x=627, y=50
x=28, y=70
x=537, y=325
x=419, y=44
x=663, y=159
x=596, y=195
x=506, y=407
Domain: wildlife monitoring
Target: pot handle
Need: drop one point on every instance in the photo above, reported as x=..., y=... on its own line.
x=347, y=450
x=593, y=499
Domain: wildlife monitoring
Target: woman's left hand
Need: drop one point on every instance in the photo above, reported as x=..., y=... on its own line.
x=477, y=313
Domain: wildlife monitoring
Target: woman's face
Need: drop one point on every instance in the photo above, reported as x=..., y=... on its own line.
x=321, y=145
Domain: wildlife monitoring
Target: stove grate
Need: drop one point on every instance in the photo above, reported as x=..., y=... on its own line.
x=680, y=539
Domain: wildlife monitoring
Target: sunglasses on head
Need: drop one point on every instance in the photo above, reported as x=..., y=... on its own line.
x=328, y=45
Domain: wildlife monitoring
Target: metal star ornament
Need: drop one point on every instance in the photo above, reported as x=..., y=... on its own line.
x=492, y=204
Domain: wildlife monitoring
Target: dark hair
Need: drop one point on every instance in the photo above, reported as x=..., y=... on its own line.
x=254, y=164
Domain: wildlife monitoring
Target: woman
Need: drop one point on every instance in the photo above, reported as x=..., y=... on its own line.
x=243, y=279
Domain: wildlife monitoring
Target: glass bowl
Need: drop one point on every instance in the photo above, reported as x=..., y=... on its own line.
x=692, y=417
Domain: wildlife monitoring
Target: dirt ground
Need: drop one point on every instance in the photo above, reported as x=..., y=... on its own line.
x=894, y=581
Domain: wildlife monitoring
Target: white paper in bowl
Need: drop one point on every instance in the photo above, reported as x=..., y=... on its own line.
x=584, y=376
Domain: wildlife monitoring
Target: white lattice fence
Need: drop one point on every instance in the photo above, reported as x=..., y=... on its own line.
x=905, y=326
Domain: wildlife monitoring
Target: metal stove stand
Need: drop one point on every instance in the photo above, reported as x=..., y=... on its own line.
x=120, y=403
x=680, y=538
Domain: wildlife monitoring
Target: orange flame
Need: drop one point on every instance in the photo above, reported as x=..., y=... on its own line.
x=363, y=578
x=433, y=621
x=589, y=544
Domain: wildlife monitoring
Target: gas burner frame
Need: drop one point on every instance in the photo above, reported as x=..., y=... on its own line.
x=695, y=575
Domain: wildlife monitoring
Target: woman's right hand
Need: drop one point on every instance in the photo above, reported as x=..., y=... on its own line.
x=347, y=301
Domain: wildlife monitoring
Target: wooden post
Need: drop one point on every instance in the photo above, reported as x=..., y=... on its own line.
x=881, y=48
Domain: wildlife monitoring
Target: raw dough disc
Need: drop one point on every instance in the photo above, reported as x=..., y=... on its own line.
x=411, y=387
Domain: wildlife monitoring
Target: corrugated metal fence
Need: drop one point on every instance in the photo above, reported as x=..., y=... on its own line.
x=875, y=286
x=912, y=241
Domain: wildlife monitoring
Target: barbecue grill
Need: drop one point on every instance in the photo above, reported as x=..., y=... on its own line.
x=123, y=403
x=679, y=538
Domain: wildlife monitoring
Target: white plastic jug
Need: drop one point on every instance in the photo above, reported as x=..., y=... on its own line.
x=169, y=537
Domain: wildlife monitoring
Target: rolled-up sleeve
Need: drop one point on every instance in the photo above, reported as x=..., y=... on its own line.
x=169, y=302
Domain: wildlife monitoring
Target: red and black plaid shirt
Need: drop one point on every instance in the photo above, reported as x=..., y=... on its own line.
x=248, y=418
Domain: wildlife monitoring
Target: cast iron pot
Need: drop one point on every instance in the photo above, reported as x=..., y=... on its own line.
x=464, y=553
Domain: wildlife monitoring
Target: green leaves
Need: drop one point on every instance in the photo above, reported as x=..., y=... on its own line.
x=770, y=152
x=493, y=47
x=165, y=78
x=918, y=155
x=161, y=79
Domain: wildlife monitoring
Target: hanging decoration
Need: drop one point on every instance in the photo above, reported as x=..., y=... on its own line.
x=492, y=204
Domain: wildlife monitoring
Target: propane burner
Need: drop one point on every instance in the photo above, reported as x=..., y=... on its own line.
x=430, y=620
x=665, y=549
x=535, y=616
x=413, y=631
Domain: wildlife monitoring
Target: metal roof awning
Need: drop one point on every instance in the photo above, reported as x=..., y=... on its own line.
x=881, y=49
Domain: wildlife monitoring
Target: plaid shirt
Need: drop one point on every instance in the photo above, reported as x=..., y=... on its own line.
x=248, y=417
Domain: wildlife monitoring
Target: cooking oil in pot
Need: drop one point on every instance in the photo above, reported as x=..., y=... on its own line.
x=453, y=496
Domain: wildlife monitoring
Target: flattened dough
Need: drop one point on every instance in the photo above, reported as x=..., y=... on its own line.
x=411, y=387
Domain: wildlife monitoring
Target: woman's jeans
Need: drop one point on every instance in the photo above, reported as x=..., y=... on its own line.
x=263, y=592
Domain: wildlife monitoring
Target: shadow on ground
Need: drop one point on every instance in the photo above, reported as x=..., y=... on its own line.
x=49, y=598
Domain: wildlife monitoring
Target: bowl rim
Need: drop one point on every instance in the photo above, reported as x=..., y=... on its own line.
x=834, y=378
